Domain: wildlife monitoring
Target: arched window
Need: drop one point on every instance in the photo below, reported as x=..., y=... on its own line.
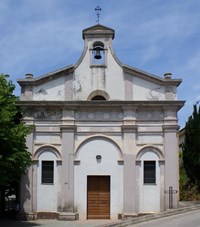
x=98, y=97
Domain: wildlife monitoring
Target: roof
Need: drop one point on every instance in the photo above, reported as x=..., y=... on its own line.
x=46, y=77
x=150, y=77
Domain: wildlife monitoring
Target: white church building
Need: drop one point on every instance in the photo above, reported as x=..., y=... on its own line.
x=105, y=137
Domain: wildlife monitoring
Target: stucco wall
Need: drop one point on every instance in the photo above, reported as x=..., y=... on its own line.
x=53, y=90
x=145, y=90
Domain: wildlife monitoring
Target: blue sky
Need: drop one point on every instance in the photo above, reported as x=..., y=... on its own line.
x=40, y=36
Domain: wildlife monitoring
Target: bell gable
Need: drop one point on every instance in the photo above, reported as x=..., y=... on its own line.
x=99, y=71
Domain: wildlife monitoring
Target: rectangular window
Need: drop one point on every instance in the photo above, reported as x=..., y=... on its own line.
x=47, y=172
x=149, y=172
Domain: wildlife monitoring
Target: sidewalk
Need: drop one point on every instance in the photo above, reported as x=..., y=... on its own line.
x=186, y=207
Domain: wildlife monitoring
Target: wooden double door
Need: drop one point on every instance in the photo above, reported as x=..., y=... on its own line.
x=98, y=197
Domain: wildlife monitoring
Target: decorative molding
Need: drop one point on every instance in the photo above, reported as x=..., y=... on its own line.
x=98, y=115
x=120, y=162
x=42, y=113
x=149, y=115
x=170, y=89
x=161, y=162
x=48, y=114
x=35, y=161
x=170, y=113
x=138, y=162
x=150, y=148
x=171, y=128
x=77, y=162
x=129, y=128
x=42, y=143
x=68, y=128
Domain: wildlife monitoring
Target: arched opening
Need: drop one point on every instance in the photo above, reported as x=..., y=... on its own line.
x=98, y=53
x=47, y=181
x=98, y=174
x=98, y=97
x=149, y=179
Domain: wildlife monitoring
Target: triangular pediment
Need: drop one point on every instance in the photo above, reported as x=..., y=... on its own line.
x=99, y=30
x=98, y=27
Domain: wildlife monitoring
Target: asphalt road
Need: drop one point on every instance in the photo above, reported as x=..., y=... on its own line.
x=189, y=219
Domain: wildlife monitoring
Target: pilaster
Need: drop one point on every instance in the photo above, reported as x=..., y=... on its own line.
x=67, y=169
x=128, y=86
x=129, y=153
x=26, y=183
x=171, y=162
x=69, y=87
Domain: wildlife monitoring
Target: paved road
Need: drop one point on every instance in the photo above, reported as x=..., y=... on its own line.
x=53, y=223
x=189, y=219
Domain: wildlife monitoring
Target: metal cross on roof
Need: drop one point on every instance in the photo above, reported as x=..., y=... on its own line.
x=98, y=9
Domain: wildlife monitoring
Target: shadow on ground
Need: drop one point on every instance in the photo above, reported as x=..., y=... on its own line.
x=16, y=223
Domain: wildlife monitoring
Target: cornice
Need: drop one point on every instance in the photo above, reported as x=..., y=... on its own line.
x=129, y=128
x=47, y=77
x=103, y=104
x=150, y=77
x=99, y=31
x=169, y=128
x=68, y=128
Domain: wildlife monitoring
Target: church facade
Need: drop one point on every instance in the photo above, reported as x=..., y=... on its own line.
x=105, y=142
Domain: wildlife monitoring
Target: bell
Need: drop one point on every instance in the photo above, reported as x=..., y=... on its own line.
x=97, y=54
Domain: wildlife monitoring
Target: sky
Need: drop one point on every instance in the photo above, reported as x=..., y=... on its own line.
x=156, y=36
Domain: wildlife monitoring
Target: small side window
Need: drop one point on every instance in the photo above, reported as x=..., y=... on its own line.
x=47, y=172
x=149, y=172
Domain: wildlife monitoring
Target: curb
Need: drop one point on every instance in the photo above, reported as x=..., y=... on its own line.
x=149, y=217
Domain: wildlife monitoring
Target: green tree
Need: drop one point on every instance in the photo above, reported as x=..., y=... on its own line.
x=14, y=156
x=191, y=147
